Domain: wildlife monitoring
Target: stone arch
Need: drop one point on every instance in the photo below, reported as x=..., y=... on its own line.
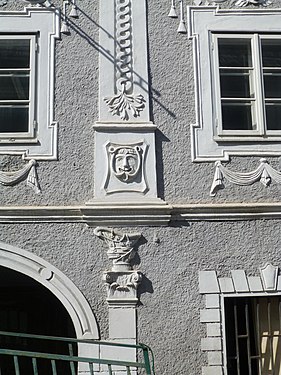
x=61, y=286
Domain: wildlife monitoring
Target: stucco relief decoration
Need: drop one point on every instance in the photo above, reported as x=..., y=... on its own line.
x=264, y=173
x=125, y=162
x=238, y=3
x=125, y=102
x=122, y=280
x=125, y=168
x=3, y=3
x=121, y=246
x=126, y=284
x=173, y=13
x=28, y=173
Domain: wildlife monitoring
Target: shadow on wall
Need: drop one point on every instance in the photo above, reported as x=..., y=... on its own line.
x=159, y=139
x=154, y=94
x=145, y=287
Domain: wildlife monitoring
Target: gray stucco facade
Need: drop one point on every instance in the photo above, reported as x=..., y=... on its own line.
x=184, y=230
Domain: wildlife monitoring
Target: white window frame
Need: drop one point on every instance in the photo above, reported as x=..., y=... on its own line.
x=14, y=137
x=209, y=141
x=256, y=83
x=41, y=26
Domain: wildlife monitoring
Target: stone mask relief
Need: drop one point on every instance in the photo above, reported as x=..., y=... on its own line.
x=125, y=170
x=126, y=162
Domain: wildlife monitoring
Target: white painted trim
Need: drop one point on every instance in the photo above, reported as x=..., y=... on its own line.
x=50, y=277
x=156, y=213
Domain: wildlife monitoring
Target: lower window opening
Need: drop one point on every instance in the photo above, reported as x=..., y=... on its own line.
x=253, y=335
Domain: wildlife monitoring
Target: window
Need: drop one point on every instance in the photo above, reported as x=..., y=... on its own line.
x=253, y=335
x=27, y=60
x=237, y=62
x=17, y=83
x=247, y=71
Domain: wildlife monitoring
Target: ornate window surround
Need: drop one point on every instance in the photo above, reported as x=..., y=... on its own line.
x=215, y=289
x=44, y=24
x=203, y=21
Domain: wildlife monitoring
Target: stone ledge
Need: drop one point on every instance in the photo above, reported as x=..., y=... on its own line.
x=143, y=213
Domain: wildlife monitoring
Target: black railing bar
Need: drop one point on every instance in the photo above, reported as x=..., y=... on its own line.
x=248, y=338
x=236, y=337
x=62, y=357
x=259, y=343
x=66, y=339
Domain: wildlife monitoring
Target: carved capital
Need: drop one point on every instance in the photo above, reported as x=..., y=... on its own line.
x=122, y=286
x=121, y=247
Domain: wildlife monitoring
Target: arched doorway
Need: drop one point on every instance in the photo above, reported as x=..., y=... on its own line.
x=37, y=298
x=57, y=283
x=28, y=307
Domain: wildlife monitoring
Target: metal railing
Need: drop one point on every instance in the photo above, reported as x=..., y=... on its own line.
x=25, y=354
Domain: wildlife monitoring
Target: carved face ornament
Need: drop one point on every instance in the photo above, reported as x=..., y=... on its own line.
x=125, y=162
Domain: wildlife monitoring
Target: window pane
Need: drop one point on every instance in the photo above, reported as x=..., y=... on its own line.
x=272, y=84
x=235, y=83
x=273, y=116
x=14, y=86
x=14, y=53
x=271, y=52
x=237, y=116
x=234, y=52
x=13, y=119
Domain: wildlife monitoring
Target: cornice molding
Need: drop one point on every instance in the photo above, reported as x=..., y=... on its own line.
x=139, y=214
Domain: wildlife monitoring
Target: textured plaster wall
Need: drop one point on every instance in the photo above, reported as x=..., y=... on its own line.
x=168, y=315
x=70, y=179
x=172, y=87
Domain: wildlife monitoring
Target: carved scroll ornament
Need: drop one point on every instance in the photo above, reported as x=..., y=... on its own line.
x=263, y=173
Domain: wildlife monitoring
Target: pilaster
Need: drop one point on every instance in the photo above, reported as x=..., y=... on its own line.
x=122, y=282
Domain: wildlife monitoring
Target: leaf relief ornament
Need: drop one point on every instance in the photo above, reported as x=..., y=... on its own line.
x=123, y=103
